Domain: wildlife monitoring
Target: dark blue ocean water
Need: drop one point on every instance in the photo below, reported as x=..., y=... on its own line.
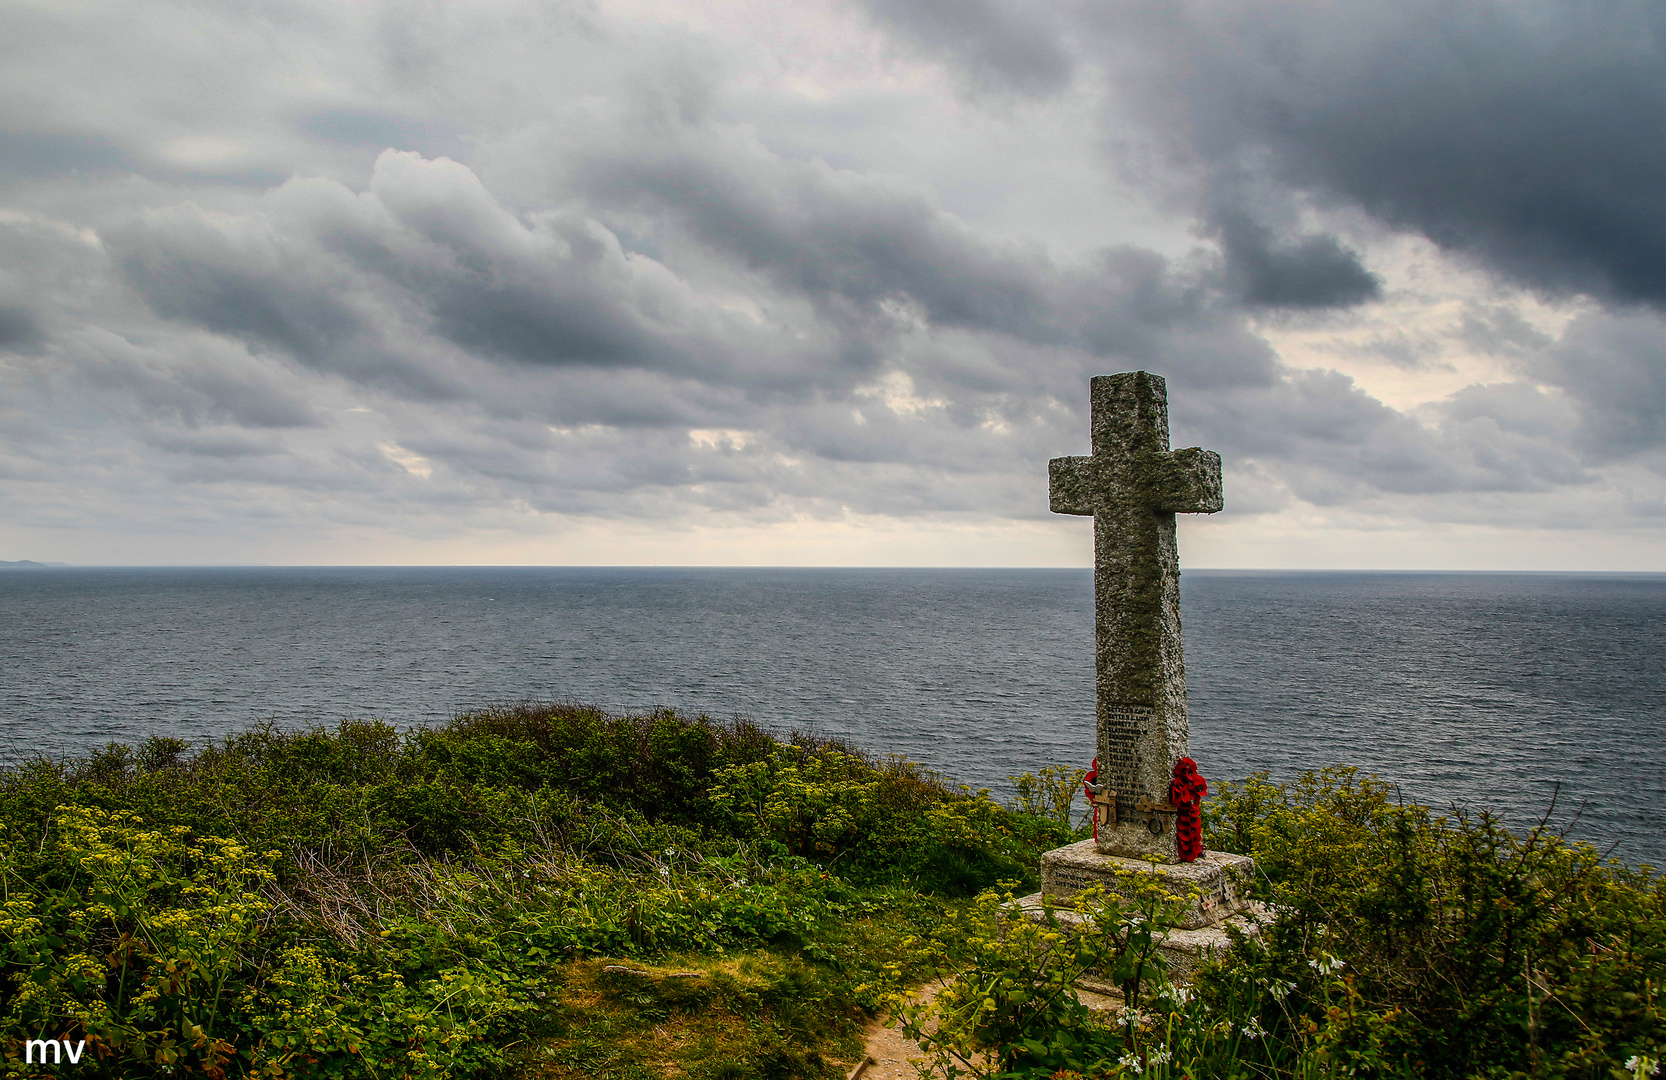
x=1485, y=690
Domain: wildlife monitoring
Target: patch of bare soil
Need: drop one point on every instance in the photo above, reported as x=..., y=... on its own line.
x=891, y=1055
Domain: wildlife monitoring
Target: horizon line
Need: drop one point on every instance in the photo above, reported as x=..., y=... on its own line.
x=29, y=564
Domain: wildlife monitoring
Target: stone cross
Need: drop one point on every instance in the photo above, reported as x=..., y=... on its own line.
x=1133, y=485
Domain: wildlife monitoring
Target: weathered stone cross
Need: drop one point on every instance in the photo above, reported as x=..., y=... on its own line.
x=1133, y=485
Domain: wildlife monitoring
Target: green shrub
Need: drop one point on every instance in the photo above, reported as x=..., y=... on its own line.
x=1465, y=950
x=1404, y=944
x=877, y=824
x=157, y=949
x=1051, y=794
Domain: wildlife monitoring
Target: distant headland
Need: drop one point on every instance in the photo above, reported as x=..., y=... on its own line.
x=28, y=564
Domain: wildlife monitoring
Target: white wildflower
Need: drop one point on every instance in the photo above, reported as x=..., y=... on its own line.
x=1253, y=1029
x=1132, y=1063
x=1326, y=964
x=1641, y=1065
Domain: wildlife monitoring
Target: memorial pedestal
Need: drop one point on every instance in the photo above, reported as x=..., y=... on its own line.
x=1209, y=890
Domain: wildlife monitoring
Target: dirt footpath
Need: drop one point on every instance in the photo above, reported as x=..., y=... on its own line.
x=890, y=1055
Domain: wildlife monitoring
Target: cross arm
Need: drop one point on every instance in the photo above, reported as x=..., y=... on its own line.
x=1071, y=484
x=1168, y=481
x=1189, y=481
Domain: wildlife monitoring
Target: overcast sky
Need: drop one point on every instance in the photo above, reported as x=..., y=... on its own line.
x=823, y=282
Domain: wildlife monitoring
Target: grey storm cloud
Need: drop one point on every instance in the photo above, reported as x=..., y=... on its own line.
x=1609, y=364
x=18, y=329
x=1525, y=135
x=31, y=155
x=380, y=128
x=871, y=254
x=1333, y=444
x=1614, y=366
x=328, y=277
x=1014, y=47
x=1303, y=272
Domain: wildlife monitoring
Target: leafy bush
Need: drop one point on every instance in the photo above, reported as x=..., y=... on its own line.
x=890, y=823
x=1051, y=794
x=1467, y=950
x=156, y=948
x=1404, y=944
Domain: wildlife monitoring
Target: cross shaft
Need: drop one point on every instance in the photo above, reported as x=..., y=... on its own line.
x=1133, y=485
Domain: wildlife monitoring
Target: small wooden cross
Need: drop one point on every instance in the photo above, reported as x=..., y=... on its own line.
x=1103, y=801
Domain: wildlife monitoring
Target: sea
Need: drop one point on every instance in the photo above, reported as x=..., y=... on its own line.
x=1536, y=697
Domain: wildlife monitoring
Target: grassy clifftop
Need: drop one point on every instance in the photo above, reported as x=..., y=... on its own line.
x=556, y=892
x=361, y=902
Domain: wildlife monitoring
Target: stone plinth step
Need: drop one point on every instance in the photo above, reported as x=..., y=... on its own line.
x=1184, y=949
x=1209, y=889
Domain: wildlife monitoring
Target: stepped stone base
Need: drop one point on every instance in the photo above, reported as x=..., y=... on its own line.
x=1184, y=949
x=1208, y=888
x=1209, y=891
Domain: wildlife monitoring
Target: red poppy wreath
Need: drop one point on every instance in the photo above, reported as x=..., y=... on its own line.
x=1186, y=791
